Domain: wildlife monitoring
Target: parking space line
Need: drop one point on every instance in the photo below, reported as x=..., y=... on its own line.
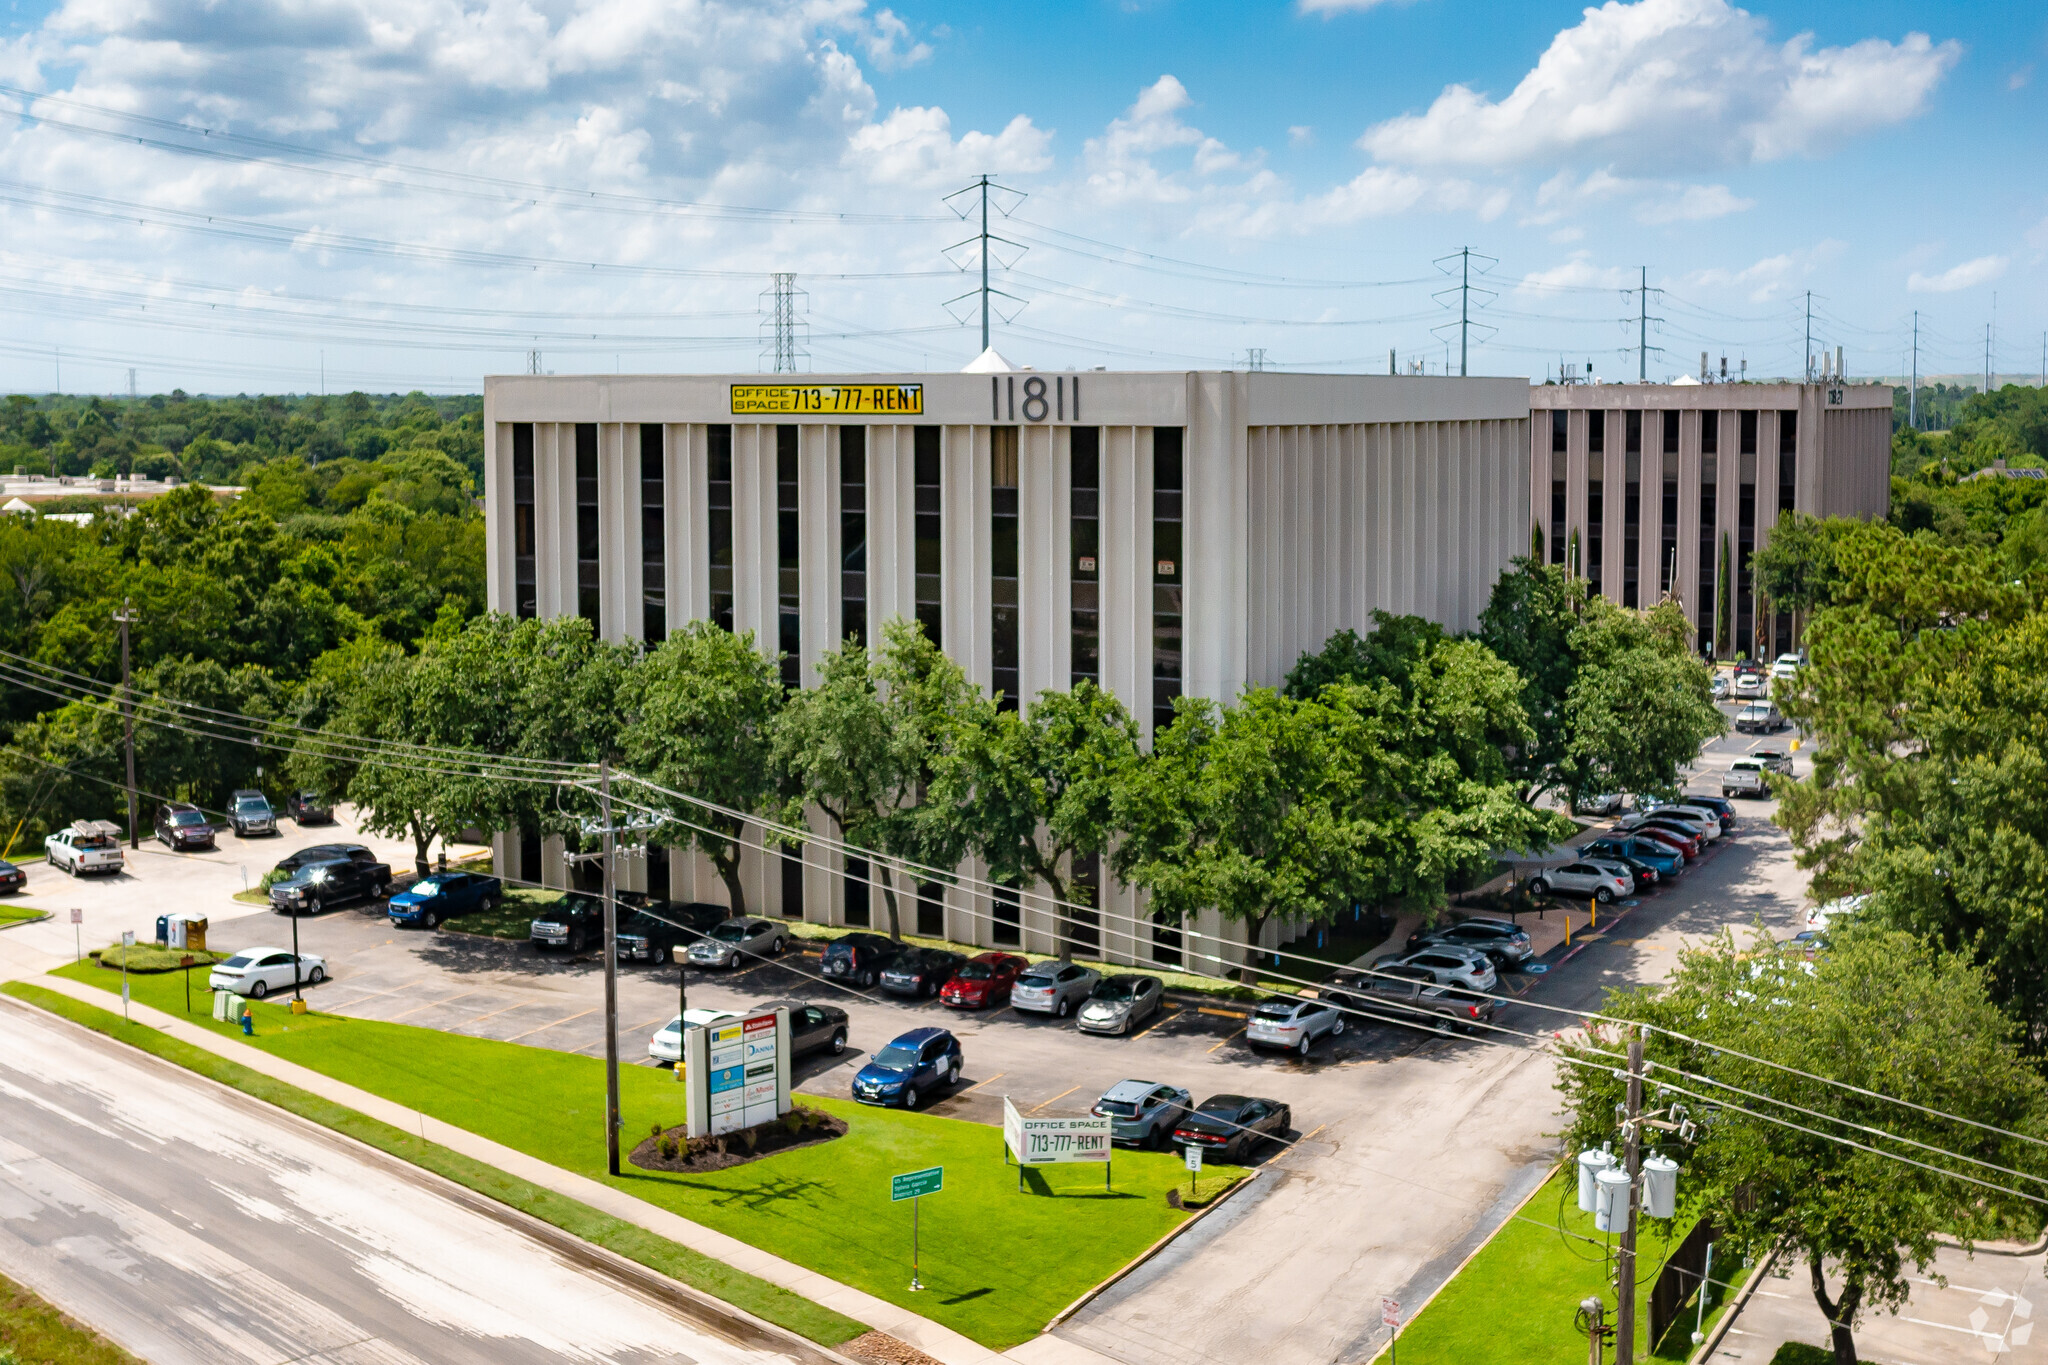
x=545, y=1027
x=478, y=1019
x=1221, y=1014
x=1062, y=1095
x=661, y=1018
x=1220, y=1044
x=972, y=1088
x=1156, y=1022
x=431, y=1003
x=373, y=995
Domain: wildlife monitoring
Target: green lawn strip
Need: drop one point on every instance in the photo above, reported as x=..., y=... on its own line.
x=1000, y=1263
x=17, y=914
x=1527, y=1282
x=751, y=1293
x=1799, y=1353
x=149, y=957
x=33, y=1332
x=253, y=897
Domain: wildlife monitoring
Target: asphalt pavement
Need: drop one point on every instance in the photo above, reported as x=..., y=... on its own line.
x=191, y=1224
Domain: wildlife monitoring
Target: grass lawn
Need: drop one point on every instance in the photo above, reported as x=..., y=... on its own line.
x=19, y=914
x=755, y=1295
x=1526, y=1283
x=150, y=957
x=512, y=919
x=35, y=1333
x=998, y=1263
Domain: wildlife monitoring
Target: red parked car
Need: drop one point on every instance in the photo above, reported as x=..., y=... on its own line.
x=1675, y=839
x=982, y=981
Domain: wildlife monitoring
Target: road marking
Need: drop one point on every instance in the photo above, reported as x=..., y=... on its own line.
x=545, y=1027
x=375, y=995
x=1062, y=1095
x=478, y=1019
x=972, y=1088
x=1950, y=1327
x=431, y=1003
x=661, y=1018
x=1221, y=1014
x=1156, y=1022
x=1226, y=1039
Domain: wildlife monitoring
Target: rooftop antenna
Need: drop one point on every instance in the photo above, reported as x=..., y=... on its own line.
x=983, y=241
x=1463, y=256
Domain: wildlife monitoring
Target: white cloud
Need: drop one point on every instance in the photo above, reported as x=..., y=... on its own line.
x=1767, y=280
x=1326, y=8
x=1121, y=162
x=1300, y=135
x=1692, y=204
x=1656, y=201
x=1672, y=83
x=1968, y=275
x=917, y=146
x=1577, y=273
x=889, y=44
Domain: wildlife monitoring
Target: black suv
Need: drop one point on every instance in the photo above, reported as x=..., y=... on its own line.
x=575, y=921
x=249, y=813
x=858, y=957
x=332, y=882
x=179, y=825
x=308, y=809
x=664, y=930
x=321, y=853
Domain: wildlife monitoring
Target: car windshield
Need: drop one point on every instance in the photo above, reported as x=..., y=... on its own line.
x=895, y=1057
x=239, y=960
x=1119, y=1109
x=1035, y=979
x=1116, y=988
x=976, y=971
x=430, y=887
x=1278, y=1009
x=732, y=931
x=251, y=803
x=187, y=817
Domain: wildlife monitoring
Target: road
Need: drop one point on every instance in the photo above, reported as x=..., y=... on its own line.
x=190, y=1224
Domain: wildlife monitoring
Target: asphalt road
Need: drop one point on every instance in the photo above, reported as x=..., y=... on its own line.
x=192, y=1225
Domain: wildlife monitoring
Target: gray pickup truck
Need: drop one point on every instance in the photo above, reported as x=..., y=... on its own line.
x=1406, y=995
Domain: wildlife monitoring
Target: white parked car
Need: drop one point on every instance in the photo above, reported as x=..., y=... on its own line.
x=1583, y=879
x=1749, y=685
x=1820, y=916
x=256, y=972
x=1451, y=964
x=1605, y=803
x=1719, y=686
x=1787, y=666
x=1293, y=1024
x=85, y=846
x=1704, y=825
x=666, y=1046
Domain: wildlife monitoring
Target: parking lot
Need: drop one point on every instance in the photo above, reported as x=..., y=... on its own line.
x=1408, y=1148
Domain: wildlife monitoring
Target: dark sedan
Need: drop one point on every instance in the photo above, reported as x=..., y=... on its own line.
x=664, y=930
x=307, y=808
x=858, y=957
x=12, y=878
x=919, y=971
x=812, y=1028
x=1232, y=1125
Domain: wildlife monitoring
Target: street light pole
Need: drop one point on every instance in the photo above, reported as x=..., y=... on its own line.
x=1625, y=1261
x=611, y=974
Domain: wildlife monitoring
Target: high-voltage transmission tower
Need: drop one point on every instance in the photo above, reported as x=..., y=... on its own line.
x=1642, y=348
x=984, y=192
x=779, y=323
x=1464, y=289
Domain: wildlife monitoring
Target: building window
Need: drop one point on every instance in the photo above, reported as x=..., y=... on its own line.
x=718, y=497
x=1596, y=431
x=931, y=909
x=788, y=559
x=657, y=873
x=1596, y=509
x=857, y=892
x=1168, y=556
x=1788, y=459
x=1008, y=923
x=589, y=596
x=1704, y=609
x=653, y=538
x=853, y=534
x=1746, y=434
x=1002, y=565
x=1632, y=433
x=1710, y=433
x=1667, y=568
x=1631, y=521
x=525, y=594
x=1086, y=465
x=1560, y=433
x=1083, y=928
x=530, y=857
x=792, y=886
x=1166, y=944
x=930, y=554
x=1745, y=543
x=1671, y=433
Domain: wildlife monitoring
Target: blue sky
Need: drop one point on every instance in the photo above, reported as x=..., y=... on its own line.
x=1291, y=170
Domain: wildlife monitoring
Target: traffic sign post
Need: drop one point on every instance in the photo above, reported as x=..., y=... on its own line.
x=127, y=945
x=1390, y=1316
x=77, y=934
x=914, y=1185
x=1193, y=1156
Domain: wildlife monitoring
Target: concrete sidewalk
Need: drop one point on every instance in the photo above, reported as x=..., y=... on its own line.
x=939, y=1342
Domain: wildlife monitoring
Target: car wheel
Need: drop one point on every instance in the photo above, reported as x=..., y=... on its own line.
x=258, y=989
x=1063, y=1008
x=1301, y=1048
x=910, y=1097
x=486, y=904
x=1538, y=887
x=838, y=1041
x=316, y=976
x=867, y=980
x=1337, y=1029
x=954, y=1078
x=312, y=905
x=657, y=955
x=1603, y=895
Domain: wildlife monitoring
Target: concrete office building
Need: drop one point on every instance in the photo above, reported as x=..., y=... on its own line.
x=1648, y=489
x=1161, y=534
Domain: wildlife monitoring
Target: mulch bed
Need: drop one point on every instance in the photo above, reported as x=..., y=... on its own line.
x=773, y=1137
x=883, y=1349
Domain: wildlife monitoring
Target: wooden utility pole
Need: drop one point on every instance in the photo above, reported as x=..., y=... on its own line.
x=1625, y=1262
x=611, y=974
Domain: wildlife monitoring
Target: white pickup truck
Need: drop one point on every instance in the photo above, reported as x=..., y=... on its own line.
x=1746, y=777
x=85, y=846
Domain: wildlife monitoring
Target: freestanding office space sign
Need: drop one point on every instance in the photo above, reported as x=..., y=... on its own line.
x=736, y=1073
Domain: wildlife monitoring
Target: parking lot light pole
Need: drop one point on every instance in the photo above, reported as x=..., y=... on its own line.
x=611, y=974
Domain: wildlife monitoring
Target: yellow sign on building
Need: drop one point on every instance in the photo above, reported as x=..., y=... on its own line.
x=828, y=400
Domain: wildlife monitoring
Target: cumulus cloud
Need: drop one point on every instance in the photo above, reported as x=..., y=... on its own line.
x=1968, y=275
x=1766, y=280
x=1668, y=84
x=1122, y=163
x=1692, y=204
x=916, y=146
x=1656, y=201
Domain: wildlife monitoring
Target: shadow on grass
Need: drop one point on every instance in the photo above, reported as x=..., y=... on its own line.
x=765, y=1195
x=967, y=1297
x=1036, y=1183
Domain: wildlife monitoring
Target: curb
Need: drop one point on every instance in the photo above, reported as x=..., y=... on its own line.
x=17, y=923
x=1995, y=1249
x=1735, y=1307
x=1149, y=1252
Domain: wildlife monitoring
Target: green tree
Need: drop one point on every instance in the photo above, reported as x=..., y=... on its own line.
x=1034, y=793
x=1878, y=1010
x=1796, y=567
x=865, y=743
x=702, y=710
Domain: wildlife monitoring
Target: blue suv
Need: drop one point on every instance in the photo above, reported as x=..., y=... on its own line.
x=912, y=1067
x=445, y=895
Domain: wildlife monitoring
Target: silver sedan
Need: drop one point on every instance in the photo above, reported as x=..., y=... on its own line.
x=1120, y=1003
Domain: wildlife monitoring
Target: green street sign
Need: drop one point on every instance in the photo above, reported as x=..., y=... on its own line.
x=928, y=1181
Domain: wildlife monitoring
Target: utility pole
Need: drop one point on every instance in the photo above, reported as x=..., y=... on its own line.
x=611, y=976
x=982, y=241
x=779, y=323
x=533, y=362
x=1913, y=393
x=1625, y=1261
x=1463, y=255
x=1809, y=336
x=1643, y=321
x=123, y=617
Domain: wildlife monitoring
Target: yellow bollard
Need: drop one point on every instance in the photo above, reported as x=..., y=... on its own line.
x=1596, y=914
x=1567, y=931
